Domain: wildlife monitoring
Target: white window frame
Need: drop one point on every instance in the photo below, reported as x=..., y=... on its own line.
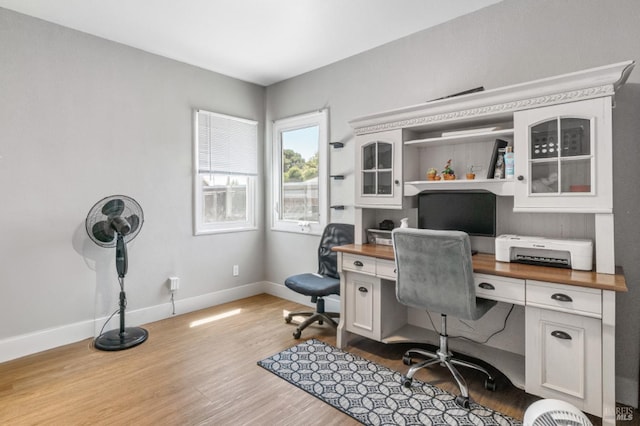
x=317, y=118
x=199, y=225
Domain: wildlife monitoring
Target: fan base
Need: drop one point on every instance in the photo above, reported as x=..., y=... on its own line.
x=113, y=340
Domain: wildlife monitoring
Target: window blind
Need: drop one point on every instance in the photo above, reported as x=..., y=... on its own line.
x=226, y=145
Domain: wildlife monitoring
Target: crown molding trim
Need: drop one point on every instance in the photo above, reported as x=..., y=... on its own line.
x=502, y=102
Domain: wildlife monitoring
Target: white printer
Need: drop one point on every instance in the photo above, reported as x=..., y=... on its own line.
x=563, y=253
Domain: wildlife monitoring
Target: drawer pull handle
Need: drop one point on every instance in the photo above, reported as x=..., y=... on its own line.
x=561, y=297
x=363, y=290
x=561, y=335
x=358, y=263
x=486, y=286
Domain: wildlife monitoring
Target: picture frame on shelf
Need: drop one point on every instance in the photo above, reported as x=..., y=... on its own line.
x=497, y=146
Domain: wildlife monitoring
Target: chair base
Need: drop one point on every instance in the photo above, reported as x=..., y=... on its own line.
x=445, y=358
x=319, y=316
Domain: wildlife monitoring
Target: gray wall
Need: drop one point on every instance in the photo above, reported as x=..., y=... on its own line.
x=82, y=118
x=511, y=42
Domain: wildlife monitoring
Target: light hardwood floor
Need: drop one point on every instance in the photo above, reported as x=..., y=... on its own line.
x=199, y=375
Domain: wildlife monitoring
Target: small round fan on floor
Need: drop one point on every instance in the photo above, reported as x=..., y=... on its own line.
x=113, y=222
x=554, y=412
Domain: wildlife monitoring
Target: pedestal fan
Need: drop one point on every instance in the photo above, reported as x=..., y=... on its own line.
x=113, y=222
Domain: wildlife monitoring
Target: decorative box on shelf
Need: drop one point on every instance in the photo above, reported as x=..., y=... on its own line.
x=379, y=236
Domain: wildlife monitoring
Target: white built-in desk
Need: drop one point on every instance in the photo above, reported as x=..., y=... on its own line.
x=569, y=330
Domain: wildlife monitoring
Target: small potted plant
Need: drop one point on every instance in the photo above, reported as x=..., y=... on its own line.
x=448, y=173
x=470, y=174
x=431, y=173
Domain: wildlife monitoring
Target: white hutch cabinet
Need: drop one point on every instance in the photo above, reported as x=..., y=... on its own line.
x=560, y=129
x=570, y=114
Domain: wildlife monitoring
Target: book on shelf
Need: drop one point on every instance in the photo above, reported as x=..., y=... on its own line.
x=497, y=146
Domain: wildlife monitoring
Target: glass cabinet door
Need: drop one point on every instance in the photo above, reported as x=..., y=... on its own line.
x=377, y=168
x=563, y=157
x=560, y=158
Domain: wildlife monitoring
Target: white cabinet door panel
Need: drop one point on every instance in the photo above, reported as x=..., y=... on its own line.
x=363, y=300
x=564, y=358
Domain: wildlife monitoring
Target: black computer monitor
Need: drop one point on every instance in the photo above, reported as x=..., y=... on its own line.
x=473, y=212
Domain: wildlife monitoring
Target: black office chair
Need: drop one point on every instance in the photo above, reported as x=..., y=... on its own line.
x=323, y=283
x=435, y=272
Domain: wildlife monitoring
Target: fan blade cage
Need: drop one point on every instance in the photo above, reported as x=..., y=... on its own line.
x=113, y=215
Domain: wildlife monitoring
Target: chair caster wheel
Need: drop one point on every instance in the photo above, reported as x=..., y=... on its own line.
x=287, y=319
x=296, y=334
x=463, y=402
x=406, y=360
x=407, y=381
x=490, y=384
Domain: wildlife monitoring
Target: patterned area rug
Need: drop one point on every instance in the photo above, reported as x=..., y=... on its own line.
x=371, y=393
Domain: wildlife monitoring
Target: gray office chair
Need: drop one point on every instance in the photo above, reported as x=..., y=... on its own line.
x=323, y=283
x=435, y=273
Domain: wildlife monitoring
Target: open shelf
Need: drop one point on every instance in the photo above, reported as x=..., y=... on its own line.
x=497, y=186
x=461, y=138
x=510, y=364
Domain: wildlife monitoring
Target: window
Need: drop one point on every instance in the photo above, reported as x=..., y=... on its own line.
x=300, y=173
x=225, y=173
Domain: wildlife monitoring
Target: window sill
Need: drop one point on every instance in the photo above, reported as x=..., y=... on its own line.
x=295, y=228
x=224, y=230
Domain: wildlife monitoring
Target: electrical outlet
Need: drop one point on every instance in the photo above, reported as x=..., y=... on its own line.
x=174, y=283
x=236, y=270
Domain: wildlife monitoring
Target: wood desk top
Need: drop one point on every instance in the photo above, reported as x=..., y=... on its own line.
x=485, y=263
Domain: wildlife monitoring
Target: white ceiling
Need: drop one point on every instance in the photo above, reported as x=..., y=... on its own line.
x=260, y=41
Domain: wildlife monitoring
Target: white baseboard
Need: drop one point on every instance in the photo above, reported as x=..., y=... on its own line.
x=212, y=299
x=27, y=344
x=42, y=340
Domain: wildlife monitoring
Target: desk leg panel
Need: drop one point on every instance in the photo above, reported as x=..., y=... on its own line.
x=608, y=357
x=341, y=333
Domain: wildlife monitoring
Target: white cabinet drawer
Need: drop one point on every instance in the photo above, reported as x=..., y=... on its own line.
x=565, y=298
x=510, y=290
x=386, y=269
x=364, y=264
